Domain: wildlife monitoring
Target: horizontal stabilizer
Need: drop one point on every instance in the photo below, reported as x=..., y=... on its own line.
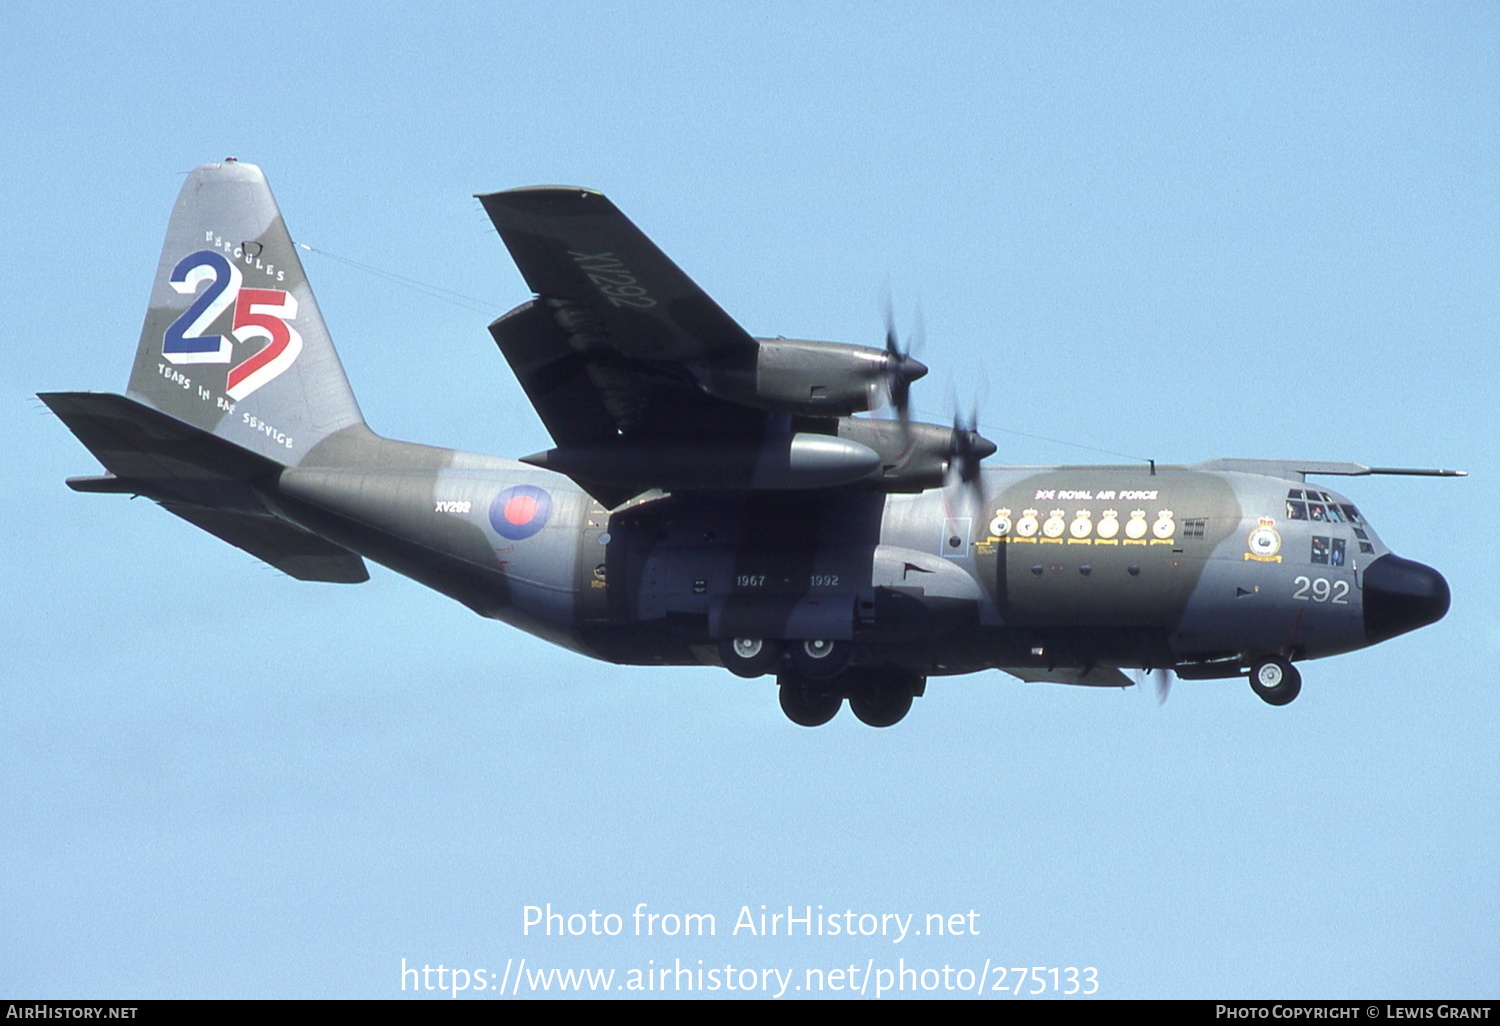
x=151, y=454
x=209, y=482
x=290, y=549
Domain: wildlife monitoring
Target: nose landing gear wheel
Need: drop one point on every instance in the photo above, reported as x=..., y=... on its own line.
x=1275, y=680
x=808, y=706
x=820, y=658
x=748, y=657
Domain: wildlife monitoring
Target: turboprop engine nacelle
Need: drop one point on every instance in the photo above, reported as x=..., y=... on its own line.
x=780, y=462
x=820, y=378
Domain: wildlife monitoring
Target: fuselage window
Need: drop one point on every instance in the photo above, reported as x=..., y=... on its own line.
x=1296, y=510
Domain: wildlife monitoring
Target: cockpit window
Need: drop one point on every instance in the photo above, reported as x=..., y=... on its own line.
x=1307, y=504
x=1329, y=551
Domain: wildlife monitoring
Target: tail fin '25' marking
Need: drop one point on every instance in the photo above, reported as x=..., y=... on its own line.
x=233, y=342
x=184, y=341
x=257, y=313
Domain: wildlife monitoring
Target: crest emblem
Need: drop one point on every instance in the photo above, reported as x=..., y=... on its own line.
x=1264, y=541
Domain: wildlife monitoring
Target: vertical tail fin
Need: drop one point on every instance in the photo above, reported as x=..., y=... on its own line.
x=233, y=342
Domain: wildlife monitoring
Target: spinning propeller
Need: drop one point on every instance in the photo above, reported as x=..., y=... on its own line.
x=968, y=447
x=901, y=368
x=1163, y=680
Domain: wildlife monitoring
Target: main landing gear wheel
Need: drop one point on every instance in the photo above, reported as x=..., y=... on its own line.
x=749, y=657
x=881, y=697
x=808, y=705
x=1275, y=680
x=881, y=705
x=820, y=658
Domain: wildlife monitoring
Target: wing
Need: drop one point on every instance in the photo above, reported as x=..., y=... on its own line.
x=574, y=247
x=1099, y=676
x=644, y=382
x=606, y=352
x=587, y=391
x=606, y=347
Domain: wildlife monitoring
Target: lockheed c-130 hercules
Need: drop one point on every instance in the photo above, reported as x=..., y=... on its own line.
x=712, y=497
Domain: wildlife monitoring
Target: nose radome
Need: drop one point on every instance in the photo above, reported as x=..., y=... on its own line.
x=1401, y=595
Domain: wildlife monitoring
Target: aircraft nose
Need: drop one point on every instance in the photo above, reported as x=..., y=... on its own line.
x=1401, y=595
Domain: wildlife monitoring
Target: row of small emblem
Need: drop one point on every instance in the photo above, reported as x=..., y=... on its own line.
x=1082, y=525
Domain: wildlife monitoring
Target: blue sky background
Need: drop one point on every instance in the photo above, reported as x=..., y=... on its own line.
x=1171, y=231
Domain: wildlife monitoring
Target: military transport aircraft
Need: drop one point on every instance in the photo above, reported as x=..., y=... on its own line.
x=711, y=497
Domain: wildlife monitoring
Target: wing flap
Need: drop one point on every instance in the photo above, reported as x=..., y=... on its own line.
x=554, y=376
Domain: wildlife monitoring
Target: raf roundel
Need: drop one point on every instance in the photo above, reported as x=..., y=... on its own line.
x=520, y=511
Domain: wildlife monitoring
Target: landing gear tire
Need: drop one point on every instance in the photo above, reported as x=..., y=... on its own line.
x=881, y=705
x=1275, y=680
x=820, y=658
x=808, y=706
x=749, y=657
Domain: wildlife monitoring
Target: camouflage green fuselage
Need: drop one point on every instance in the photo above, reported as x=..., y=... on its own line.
x=1071, y=567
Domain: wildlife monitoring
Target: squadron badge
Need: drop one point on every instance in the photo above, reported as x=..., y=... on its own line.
x=1264, y=542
